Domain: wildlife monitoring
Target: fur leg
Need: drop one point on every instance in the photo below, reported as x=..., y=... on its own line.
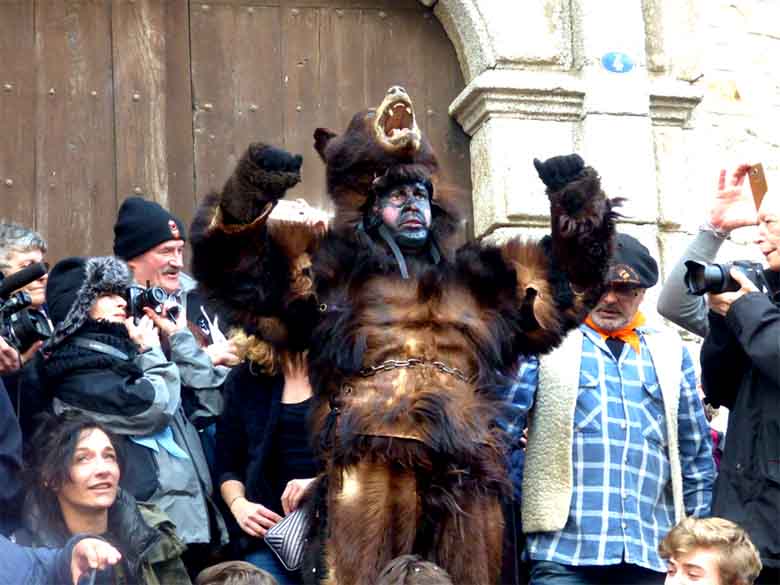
x=469, y=545
x=373, y=513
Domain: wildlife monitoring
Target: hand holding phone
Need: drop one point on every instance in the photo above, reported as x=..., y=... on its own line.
x=757, y=183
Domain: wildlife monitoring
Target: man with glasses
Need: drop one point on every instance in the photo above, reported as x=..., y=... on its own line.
x=618, y=445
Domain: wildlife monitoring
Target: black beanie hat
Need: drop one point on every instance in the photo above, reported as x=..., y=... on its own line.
x=73, y=287
x=141, y=225
x=632, y=263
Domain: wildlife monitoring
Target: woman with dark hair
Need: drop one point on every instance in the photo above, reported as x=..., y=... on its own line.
x=74, y=489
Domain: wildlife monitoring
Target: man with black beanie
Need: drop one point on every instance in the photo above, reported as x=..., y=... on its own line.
x=151, y=240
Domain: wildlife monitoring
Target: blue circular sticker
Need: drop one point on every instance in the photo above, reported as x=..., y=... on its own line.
x=617, y=62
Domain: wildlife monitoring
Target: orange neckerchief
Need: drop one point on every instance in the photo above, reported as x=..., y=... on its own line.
x=628, y=334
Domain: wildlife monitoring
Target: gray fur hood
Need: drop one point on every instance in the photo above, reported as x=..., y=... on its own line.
x=73, y=287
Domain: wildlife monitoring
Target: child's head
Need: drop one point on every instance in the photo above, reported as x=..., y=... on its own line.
x=709, y=551
x=412, y=570
x=234, y=573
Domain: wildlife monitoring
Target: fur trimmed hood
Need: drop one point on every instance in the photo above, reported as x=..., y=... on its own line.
x=73, y=287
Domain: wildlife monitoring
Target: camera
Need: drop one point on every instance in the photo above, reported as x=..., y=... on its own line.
x=701, y=278
x=20, y=325
x=153, y=297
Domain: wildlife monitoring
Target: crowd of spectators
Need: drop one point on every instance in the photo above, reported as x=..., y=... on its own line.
x=137, y=422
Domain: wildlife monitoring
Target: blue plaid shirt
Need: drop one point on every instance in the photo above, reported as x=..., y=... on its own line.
x=622, y=504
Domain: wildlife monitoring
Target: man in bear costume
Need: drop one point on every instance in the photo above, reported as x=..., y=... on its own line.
x=408, y=341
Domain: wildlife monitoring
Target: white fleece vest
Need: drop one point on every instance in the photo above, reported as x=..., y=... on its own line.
x=547, y=476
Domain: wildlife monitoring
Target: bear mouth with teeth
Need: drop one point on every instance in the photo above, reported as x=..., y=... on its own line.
x=395, y=124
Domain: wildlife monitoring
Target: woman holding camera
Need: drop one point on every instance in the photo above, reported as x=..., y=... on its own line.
x=75, y=489
x=103, y=364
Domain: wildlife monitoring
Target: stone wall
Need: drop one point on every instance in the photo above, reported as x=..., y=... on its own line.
x=698, y=90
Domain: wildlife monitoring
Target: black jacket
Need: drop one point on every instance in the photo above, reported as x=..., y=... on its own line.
x=27, y=395
x=740, y=362
x=10, y=465
x=151, y=551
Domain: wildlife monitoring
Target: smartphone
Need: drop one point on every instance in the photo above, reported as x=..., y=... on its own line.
x=757, y=183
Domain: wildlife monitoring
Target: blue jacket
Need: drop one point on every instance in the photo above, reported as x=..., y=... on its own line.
x=21, y=565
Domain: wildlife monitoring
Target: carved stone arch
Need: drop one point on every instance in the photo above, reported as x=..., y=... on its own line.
x=466, y=27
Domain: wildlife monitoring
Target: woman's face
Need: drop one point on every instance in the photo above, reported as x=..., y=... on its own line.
x=111, y=308
x=94, y=474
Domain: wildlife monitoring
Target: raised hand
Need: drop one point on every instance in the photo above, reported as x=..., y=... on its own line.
x=163, y=323
x=263, y=175
x=733, y=206
x=144, y=334
x=275, y=159
x=223, y=353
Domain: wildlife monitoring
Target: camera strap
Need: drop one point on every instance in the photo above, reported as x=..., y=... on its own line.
x=99, y=347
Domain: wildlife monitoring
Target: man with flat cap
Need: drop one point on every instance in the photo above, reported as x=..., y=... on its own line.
x=619, y=449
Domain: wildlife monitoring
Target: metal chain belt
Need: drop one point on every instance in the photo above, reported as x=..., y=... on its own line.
x=412, y=363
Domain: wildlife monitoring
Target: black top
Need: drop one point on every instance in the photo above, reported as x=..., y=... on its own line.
x=291, y=455
x=27, y=395
x=245, y=442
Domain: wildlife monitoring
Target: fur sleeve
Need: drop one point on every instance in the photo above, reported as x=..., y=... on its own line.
x=537, y=291
x=561, y=278
x=243, y=275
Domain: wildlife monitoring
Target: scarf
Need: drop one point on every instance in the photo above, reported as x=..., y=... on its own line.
x=627, y=334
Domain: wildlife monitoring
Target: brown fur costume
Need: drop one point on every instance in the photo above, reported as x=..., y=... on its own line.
x=406, y=373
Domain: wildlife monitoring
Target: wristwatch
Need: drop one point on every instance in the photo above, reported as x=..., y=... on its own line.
x=708, y=227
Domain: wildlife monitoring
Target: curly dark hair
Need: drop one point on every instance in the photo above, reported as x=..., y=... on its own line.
x=50, y=456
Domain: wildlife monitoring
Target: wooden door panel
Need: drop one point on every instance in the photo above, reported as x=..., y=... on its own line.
x=139, y=105
x=75, y=127
x=17, y=111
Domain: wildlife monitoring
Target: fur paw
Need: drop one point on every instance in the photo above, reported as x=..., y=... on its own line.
x=270, y=158
x=557, y=171
x=580, y=207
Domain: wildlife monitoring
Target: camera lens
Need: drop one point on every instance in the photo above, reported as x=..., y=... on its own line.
x=155, y=296
x=702, y=278
x=26, y=327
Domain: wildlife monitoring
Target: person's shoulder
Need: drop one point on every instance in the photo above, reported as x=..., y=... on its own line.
x=187, y=282
x=656, y=330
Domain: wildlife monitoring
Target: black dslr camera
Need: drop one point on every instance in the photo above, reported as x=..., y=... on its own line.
x=153, y=297
x=20, y=325
x=703, y=278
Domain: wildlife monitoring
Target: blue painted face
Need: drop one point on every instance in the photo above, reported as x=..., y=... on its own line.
x=406, y=211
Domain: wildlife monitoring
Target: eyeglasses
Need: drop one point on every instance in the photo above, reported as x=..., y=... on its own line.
x=623, y=291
